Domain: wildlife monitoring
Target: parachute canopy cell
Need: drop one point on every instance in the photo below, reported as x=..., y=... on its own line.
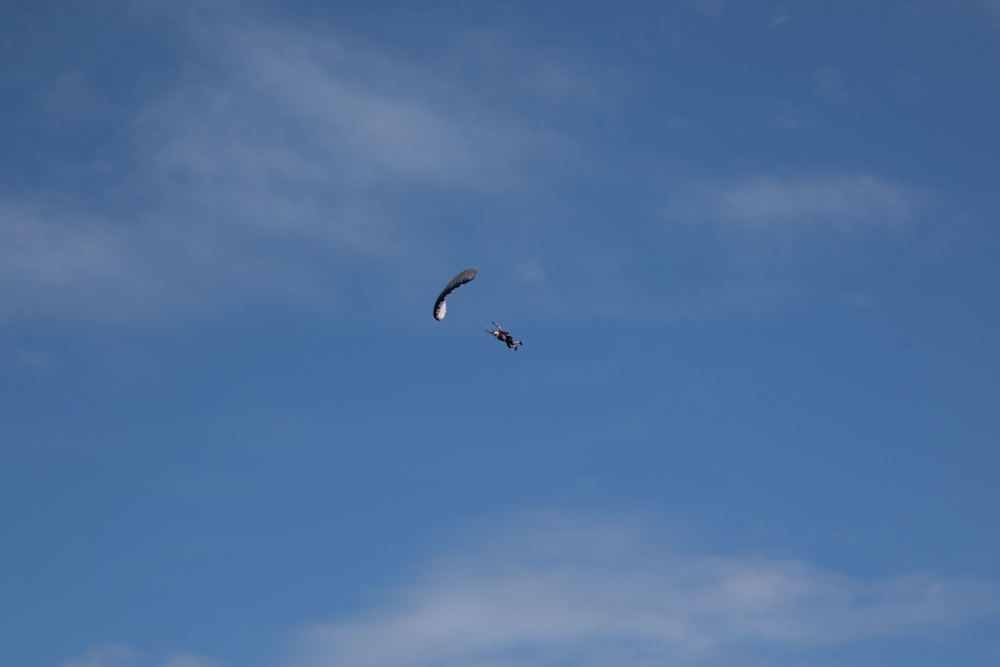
x=441, y=305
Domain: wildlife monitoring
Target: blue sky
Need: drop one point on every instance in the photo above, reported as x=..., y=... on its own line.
x=751, y=249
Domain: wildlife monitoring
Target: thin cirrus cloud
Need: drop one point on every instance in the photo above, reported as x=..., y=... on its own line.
x=118, y=655
x=276, y=147
x=846, y=203
x=297, y=124
x=592, y=594
x=54, y=260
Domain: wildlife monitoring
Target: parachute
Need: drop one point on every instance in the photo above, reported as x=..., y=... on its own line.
x=440, y=304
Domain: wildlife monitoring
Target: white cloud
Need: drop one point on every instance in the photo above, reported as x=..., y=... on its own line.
x=292, y=109
x=831, y=84
x=764, y=240
x=118, y=655
x=279, y=156
x=779, y=19
x=56, y=262
x=49, y=253
x=845, y=203
x=36, y=361
x=51, y=259
x=784, y=115
x=578, y=592
x=189, y=660
x=857, y=300
x=106, y=656
x=301, y=133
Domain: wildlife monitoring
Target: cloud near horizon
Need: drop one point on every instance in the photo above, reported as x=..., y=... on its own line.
x=557, y=593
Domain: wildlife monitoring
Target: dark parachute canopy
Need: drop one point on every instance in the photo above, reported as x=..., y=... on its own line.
x=440, y=305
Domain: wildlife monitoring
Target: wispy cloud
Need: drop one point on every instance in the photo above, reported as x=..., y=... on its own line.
x=105, y=656
x=273, y=152
x=189, y=660
x=571, y=591
x=831, y=83
x=785, y=115
x=845, y=203
x=51, y=258
x=292, y=109
x=118, y=655
x=779, y=19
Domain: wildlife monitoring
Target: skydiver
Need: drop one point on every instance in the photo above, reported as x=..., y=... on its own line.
x=505, y=336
